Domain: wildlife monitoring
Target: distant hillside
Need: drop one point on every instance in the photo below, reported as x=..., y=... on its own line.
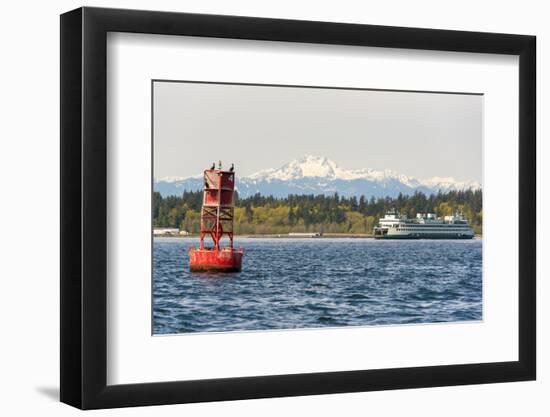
x=308, y=213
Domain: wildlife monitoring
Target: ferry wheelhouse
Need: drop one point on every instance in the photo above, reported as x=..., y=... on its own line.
x=424, y=226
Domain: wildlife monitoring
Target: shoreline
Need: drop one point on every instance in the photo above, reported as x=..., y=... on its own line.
x=286, y=236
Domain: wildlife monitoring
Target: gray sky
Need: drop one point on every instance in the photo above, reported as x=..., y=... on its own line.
x=417, y=134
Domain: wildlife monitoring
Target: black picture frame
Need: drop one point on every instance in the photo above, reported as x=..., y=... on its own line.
x=84, y=207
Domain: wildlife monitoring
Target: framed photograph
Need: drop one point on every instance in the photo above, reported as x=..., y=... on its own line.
x=257, y=208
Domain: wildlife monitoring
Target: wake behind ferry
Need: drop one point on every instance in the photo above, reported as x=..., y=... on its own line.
x=425, y=226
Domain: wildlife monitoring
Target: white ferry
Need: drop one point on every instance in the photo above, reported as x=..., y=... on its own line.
x=425, y=226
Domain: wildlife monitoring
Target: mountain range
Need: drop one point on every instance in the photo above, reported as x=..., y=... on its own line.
x=320, y=175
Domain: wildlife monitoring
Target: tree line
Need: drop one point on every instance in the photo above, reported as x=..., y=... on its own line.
x=259, y=214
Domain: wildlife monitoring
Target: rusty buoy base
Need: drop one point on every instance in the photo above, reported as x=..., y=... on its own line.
x=213, y=260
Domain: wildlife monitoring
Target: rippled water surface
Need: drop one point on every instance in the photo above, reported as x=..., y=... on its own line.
x=310, y=283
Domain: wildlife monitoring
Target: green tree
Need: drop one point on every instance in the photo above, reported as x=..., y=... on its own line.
x=316, y=213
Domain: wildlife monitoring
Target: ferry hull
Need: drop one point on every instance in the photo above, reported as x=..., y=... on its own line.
x=211, y=260
x=423, y=236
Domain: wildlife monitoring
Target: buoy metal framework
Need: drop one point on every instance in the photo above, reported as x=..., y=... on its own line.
x=217, y=215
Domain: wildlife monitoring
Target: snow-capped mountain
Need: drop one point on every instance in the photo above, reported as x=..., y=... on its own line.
x=319, y=175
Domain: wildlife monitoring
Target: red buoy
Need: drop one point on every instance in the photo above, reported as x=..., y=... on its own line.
x=216, y=221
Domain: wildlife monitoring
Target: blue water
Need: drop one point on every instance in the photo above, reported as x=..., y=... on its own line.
x=312, y=283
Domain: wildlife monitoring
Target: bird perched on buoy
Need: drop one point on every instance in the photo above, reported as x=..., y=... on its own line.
x=220, y=165
x=232, y=168
x=213, y=165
